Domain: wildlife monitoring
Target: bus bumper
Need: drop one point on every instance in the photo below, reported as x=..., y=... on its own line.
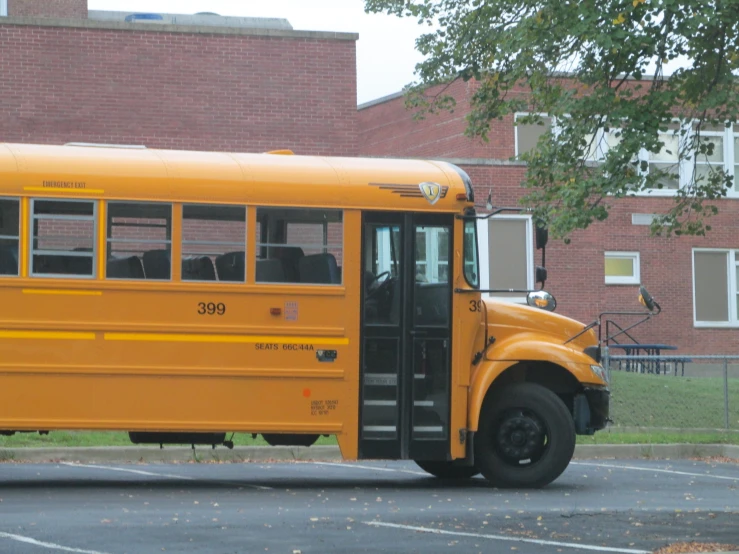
x=591, y=410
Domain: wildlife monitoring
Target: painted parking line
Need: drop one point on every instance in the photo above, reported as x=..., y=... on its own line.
x=164, y=475
x=49, y=545
x=590, y=547
x=655, y=470
x=371, y=468
x=126, y=470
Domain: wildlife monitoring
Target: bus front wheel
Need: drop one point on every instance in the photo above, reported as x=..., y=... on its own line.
x=447, y=470
x=525, y=438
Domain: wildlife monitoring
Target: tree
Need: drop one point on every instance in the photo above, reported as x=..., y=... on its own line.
x=585, y=63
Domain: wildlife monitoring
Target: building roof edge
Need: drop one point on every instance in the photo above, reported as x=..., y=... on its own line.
x=168, y=28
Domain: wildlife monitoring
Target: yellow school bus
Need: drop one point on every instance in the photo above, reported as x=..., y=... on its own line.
x=181, y=296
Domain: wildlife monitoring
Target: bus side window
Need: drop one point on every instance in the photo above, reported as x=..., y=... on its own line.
x=139, y=241
x=296, y=245
x=213, y=242
x=63, y=238
x=9, y=236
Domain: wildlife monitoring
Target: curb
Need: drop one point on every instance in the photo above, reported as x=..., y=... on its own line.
x=131, y=455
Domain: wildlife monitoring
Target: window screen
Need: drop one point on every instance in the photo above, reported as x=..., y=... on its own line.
x=63, y=238
x=527, y=135
x=9, y=227
x=508, y=244
x=139, y=241
x=711, y=285
x=299, y=246
x=213, y=243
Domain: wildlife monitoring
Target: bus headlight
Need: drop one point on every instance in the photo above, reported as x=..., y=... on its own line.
x=600, y=372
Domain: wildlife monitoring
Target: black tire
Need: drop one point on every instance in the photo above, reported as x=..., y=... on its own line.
x=525, y=438
x=447, y=470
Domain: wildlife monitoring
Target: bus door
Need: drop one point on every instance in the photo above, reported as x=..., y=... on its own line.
x=406, y=336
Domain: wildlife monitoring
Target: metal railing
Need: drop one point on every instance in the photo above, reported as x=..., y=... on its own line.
x=684, y=392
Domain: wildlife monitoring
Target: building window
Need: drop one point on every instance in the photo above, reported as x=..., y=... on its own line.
x=213, y=243
x=432, y=255
x=63, y=238
x=139, y=241
x=506, y=256
x=299, y=246
x=667, y=160
x=527, y=134
x=735, y=153
x=9, y=235
x=3, y=8
x=622, y=268
x=715, y=292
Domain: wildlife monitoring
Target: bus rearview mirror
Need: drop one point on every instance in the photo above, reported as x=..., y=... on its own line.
x=542, y=237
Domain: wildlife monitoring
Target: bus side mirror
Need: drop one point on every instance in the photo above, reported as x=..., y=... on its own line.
x=646, y=299
x=542, y=237
x=541, y=274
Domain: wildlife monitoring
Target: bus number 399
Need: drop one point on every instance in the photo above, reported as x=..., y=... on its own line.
x=211, y=308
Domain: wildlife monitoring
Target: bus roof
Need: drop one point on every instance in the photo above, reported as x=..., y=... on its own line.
x=215, y=177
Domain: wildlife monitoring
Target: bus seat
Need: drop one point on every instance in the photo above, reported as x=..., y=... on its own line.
x=319, y=268
x=125, y=268
x=8, y=261
x=199, y=268
x=270, y=271
x=231, y=266
x=157, y=264
x=290, y=257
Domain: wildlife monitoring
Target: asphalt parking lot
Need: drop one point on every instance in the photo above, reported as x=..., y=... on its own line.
x=628, y=506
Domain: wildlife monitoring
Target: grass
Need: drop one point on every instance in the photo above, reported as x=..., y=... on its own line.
x=669, y=408
x=644, y=400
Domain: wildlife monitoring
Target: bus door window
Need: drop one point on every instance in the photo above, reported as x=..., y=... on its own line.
x=63, y=238
x=382, y=274
x=299, y=246
x=139, y=241
x=213, y=243
x=431, y=322
x=9, y=235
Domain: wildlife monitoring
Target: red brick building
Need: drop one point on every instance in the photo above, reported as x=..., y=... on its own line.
x=240, y=84
x=695, y=279
x=201, y=83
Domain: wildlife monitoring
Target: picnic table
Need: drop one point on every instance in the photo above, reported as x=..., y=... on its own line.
x=636, y=350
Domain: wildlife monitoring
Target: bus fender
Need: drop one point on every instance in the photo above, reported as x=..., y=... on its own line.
x=575, y=362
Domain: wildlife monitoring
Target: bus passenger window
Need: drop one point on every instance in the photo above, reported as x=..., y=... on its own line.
x=139, y=241
x=296, y=245
x=9, y=227
x=213, y=243
x=63, y=241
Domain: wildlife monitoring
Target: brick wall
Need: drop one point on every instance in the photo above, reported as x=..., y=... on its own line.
x=177, y=90
x=63, y=9
x=390, y=127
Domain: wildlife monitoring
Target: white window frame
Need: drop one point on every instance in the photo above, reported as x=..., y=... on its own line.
x=484, y=257
x=3, y=8
x=635, y=279
x=732, y=267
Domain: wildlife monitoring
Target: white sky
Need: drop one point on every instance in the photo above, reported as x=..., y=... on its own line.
x=386, y=55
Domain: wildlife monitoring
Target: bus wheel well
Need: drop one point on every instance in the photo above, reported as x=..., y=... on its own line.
x=547, y=374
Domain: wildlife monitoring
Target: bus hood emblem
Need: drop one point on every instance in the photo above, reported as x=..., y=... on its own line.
x=431, y=192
